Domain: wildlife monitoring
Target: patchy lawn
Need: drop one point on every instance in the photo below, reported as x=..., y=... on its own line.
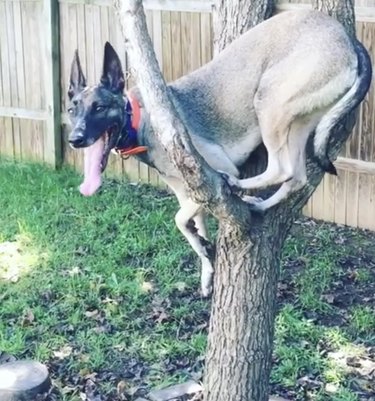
x=105, y=292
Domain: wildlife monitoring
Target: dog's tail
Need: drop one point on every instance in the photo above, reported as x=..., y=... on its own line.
x=347, y=104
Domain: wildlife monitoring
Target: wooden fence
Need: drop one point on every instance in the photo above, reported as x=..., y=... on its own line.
x=37, y=41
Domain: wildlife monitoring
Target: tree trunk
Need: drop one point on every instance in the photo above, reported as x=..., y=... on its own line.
x=240, y=342
x=233, y=18
x=238, y=360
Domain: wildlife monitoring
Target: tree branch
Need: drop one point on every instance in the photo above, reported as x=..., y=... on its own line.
x=205, y=185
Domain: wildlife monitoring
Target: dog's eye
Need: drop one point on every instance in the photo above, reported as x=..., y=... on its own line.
x=99, y=108
x=70, y=110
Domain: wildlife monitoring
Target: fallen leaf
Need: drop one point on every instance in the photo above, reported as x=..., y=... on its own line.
x=84, y=372
x=331, y=388
x=163, y=317
x=92, y=314
x=121, y=388
x=282, y=286
x=329, y=298
x=353, y=361
x=353, y=275
x=147, y=286
x=64, y=352
x=67, y=390
x=308, y=383
x=181, y=286
x=74, y=271
x=28, y=318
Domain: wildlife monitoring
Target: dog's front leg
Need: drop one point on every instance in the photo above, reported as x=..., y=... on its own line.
x=200, y=224
x=185, y=223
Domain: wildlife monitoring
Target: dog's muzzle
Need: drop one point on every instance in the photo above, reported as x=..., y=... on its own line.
x=77, y=139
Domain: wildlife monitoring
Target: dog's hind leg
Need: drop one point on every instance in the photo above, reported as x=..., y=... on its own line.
x=296, y=157
x=278, y=131
x=284, y=111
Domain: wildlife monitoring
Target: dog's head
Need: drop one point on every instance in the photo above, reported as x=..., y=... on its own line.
x=97, y=114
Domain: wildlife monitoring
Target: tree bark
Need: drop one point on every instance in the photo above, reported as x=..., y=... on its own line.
x=238, y=360
x=248, y=247
x=233, y=18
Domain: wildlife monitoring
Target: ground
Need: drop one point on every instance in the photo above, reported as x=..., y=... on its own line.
x=104, y=290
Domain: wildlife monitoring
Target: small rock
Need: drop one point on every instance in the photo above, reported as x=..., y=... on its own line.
x=331, y=388
x=353, y=361
x=176, y=391
x=309, y=383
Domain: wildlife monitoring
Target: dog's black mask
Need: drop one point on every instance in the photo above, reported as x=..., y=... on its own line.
x=97, y=113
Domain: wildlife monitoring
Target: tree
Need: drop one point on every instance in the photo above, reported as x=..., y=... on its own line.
x=249, y=247
x=233, y=18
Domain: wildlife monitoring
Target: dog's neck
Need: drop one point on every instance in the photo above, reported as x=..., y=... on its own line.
x=128, y=144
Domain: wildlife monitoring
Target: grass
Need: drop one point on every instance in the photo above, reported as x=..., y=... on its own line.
x=106, y=287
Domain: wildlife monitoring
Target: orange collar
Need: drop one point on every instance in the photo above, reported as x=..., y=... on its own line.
x=135, y=124
x=136, y=111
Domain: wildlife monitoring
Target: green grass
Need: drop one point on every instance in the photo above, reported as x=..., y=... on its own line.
x=362, y=321
x=106, y=285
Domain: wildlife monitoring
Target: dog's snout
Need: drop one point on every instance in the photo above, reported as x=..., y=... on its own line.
x=77, y=139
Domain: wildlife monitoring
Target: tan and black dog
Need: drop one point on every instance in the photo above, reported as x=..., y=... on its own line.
x=294, y=74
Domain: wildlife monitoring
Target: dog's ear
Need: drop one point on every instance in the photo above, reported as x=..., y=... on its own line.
x=112, y=76
x=77, y=79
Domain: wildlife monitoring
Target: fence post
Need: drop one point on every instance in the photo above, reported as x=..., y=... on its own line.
x=53, y=149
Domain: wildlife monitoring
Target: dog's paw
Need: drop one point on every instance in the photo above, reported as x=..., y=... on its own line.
x=207, y=278
x=232, y=181
x=253, y=200
x=206, y=291
x=255, y=203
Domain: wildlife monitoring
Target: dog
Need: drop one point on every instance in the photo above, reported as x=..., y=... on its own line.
x=296, y=73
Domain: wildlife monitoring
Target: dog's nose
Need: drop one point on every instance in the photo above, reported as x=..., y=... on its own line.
x=77, y=139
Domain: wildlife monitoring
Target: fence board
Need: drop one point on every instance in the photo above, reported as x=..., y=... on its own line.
x=51, y=70
x=6, y=136
x=33, y=138
x=340, y=197
x=176, y=45
x=206, y=38
x=64, y=18
x=352, y=197
x=13, y=77
x=20, y=77
x=167, y=45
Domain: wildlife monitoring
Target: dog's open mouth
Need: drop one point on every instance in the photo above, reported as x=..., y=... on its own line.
x=96, y=159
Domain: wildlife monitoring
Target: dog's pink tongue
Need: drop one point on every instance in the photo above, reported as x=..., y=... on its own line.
x=93, y=158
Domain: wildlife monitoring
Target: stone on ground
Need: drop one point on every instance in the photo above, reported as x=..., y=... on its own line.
x=176, y=391
x=23, y=380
